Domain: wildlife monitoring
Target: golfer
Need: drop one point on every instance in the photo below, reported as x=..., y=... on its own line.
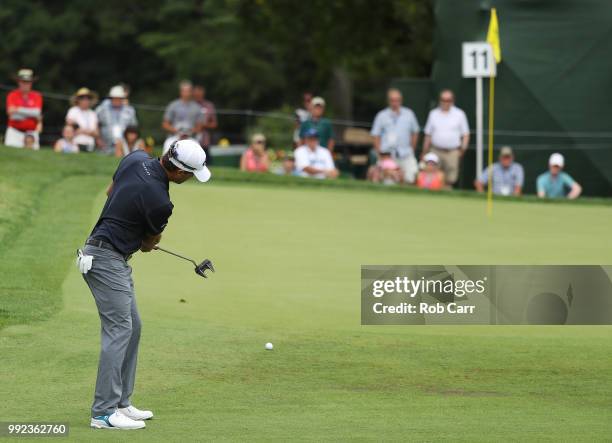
x=135, y=214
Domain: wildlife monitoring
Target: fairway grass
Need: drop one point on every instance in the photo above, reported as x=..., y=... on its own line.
x=288, y=272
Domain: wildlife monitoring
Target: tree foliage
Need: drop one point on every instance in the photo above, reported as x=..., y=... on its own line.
x=254, y=54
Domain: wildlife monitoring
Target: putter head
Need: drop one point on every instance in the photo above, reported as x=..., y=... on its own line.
x=201, y=269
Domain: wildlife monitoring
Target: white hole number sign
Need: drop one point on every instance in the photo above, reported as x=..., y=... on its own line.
x=478, y=60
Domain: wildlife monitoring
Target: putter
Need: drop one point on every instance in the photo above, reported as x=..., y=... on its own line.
x=200, y=269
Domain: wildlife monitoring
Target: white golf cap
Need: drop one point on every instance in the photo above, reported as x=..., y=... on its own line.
x=117, y=92
x=431, y=157
x=189, y=156
x=556, y=159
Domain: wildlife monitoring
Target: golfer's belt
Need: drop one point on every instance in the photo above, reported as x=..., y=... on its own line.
x=105, y=245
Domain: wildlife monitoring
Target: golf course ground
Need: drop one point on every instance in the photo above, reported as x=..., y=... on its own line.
x=288, y=255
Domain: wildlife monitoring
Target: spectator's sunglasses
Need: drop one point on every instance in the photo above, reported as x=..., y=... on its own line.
x=174, y=155
x=258, y=142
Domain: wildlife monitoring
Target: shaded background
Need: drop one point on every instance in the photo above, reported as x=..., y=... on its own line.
x=251, y=55
x=553, y=86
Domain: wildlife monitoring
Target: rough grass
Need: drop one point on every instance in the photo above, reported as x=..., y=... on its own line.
x=45, y=207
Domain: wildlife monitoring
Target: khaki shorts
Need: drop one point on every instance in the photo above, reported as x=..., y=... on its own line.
x=449, y=163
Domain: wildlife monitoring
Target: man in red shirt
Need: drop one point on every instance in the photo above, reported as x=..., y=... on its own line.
x=24, y=109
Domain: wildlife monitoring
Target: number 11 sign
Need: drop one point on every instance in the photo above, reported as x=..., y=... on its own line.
x=478, y=60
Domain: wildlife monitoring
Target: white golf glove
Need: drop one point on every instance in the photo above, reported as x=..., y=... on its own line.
x=83, y=262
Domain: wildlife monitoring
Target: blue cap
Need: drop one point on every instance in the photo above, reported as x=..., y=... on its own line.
x=311, y=132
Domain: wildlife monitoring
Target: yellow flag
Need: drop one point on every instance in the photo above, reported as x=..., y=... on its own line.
x=493, y=35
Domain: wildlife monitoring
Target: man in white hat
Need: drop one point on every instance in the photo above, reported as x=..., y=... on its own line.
x=135, y=214
x=555, y=183
x=114, y=115
x=24, y=110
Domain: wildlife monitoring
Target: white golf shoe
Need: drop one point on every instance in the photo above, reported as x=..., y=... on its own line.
x=116, y=420
x=135, y=414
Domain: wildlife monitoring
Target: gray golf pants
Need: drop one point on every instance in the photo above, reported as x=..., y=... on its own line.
x=110, y=282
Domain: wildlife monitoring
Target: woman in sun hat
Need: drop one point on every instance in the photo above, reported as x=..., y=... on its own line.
x=255, y=158
x=84, y=117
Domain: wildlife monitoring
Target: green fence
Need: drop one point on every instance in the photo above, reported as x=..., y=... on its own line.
x=553, y=90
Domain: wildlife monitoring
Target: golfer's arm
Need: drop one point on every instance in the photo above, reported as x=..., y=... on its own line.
x=149, y=242
x=479, y=186
x=518, y=190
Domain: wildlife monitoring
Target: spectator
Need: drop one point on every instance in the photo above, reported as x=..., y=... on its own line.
x=289, y=165
x=555, y=183
x=113, y=117
x=184, y=113
x=130, y=142
x=183, y=132
x=209, y=120
x=66, y=144
x=447, y=134
x=431, y=177
x=396, y=130
x=301, y=115
x=24, y=110
x=312, y=159
x=255, y=159
x=386, y=170
x=321, y=124
x=507, y=177
x=85, y=119
x=127, y=90
x=29, y=141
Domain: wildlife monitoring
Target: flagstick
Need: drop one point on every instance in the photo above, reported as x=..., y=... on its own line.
x=490, y=175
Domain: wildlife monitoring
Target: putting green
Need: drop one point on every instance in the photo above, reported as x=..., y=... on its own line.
x=288, y=268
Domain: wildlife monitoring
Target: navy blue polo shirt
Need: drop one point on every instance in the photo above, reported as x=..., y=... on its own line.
x=138, y=205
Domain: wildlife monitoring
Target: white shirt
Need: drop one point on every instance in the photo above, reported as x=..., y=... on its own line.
x=86, y=119
x=447, y=128
x=320, y=159
x=395, y=130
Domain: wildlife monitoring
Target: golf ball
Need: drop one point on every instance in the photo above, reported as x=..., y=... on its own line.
x=269, y=346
